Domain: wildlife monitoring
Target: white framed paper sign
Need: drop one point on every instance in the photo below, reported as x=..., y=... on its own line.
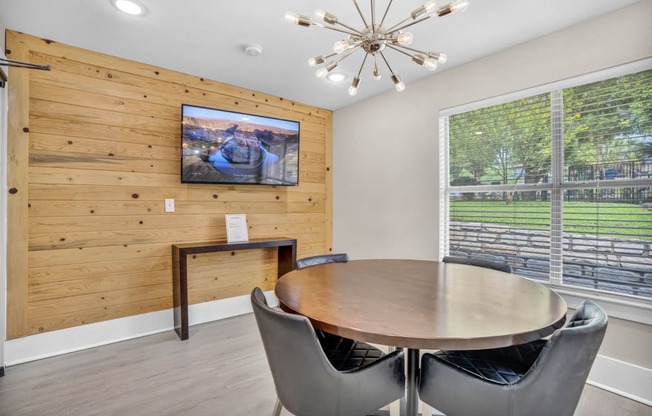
x=236, y=228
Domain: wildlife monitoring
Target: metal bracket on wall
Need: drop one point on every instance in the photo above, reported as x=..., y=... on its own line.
x=20, y=64
x=3, y=78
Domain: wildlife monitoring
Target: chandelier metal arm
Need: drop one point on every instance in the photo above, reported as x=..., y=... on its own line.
x=386, y=63
x=398, y=50
x=336, y=29
x=396, y=45
x=391, y=29
x=360, y=13
x=330, y=55
x=386, y=10
x=366, y=55
x=373, y=16
x=341, y=24
x=396, y=29
x=354, y=49
x=350, y=28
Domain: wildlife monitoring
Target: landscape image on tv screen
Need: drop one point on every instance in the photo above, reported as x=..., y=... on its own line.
x=227, y=147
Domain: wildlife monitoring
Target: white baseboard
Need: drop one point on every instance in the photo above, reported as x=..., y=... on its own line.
x=49, y=344
x=625, y=379
x=622, y=378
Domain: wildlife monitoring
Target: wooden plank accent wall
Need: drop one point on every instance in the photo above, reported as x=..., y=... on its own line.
x=93, y=153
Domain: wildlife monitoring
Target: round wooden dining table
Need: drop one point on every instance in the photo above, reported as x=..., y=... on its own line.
x=418, y=304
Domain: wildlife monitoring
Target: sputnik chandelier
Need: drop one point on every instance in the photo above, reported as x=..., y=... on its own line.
x=374, y=38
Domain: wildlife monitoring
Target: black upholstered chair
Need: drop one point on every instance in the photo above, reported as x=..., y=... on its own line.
x=541, y=378
x=502, y=266
x=328, y=340
x=322, y=259
x=310, y=383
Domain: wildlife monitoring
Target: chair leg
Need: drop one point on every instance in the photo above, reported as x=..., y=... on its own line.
x=277, y=408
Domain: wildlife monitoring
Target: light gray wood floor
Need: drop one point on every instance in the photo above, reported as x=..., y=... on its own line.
x=220, y=371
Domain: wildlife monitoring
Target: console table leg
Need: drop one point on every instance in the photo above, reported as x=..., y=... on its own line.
x=180, y=293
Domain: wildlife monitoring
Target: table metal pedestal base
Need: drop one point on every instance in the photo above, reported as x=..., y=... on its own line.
x=412, y=398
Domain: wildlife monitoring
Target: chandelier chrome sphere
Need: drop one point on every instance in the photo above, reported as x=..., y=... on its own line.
x=374, y=38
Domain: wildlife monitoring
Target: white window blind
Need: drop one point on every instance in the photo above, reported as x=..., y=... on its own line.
x=608, y=144
x=558, y=184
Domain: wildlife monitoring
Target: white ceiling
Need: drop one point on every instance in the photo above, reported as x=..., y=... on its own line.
x=206, y=38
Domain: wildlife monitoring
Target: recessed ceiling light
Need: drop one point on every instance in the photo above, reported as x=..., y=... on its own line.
x=336, y=76
x=129, y=6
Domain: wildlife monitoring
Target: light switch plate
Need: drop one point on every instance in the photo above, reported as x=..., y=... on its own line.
x=169, y=205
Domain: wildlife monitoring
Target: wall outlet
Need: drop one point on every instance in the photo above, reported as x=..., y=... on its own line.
x=169, y=205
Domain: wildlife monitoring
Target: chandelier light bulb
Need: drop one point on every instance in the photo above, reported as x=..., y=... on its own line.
x=430, y=7
x=292, y=17
x=404, y=38
x=340, y=46
x=459, y=6
x=321, y=72
x=441, y=58
x=353, y=89
x=297, y=19
x=425, y=61
x=430, y=64
x=325, y=16
x=317, y=60
x=398, y=84
x=423, y=10
x=376, y=73
x=454, y=7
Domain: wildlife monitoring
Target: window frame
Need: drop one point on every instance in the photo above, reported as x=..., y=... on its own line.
x=628, y=307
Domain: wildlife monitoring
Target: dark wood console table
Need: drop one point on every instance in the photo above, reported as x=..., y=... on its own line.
x=287, y=259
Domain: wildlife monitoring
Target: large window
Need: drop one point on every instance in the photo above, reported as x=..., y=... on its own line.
x=557, y=183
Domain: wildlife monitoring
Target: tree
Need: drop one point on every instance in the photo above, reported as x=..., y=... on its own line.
x=506, y=143
x=605, y=123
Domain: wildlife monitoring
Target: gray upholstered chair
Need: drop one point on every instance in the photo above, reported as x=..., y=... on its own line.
x=307, y=383
x=541, y=378
x=322, y=259
x=502, y=266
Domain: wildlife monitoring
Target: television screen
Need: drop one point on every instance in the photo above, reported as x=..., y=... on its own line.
x=220, y=146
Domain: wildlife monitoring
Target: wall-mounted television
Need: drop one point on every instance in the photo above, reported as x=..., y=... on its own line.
x=219, y=146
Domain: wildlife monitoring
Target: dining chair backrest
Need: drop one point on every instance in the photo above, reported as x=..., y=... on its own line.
x=322, y=259
x=307, y=383
x=565, y=362
x=492, y=382
x=302, y=375
x=502, y=266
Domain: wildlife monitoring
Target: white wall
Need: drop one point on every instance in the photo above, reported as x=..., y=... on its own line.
x=2, y=38
x=385, y=148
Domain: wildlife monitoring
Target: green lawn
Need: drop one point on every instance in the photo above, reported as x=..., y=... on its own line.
x=595, y=218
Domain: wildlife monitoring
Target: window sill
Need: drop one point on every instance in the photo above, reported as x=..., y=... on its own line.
x=622, y=307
